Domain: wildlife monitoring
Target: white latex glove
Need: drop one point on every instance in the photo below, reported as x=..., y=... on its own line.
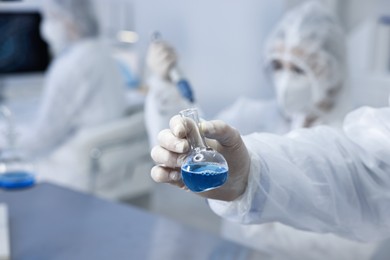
x=173, y=148
x=161, y=58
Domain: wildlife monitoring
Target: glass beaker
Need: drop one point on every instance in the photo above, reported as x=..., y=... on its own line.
x=204, y=168
x=15, y=171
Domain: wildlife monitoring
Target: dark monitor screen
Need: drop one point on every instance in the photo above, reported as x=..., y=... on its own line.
x=22, y=49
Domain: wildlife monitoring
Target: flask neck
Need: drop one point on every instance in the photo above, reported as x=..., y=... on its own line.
x=197, y=140
x=194, y=136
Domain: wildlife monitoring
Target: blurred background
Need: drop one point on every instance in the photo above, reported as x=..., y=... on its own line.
x=220, y=45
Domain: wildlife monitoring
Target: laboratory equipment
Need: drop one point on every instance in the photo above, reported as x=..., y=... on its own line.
x=182, y=84
x=177, y=77
x=22, y=50
x=204, y=168
x=15, y=170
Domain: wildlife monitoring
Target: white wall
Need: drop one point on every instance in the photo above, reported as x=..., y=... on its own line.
x=219, y=43
x=114, y=16
x=350, y=12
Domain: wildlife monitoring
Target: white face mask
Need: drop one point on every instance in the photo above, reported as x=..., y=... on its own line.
x=55, y=33
x=293, y=92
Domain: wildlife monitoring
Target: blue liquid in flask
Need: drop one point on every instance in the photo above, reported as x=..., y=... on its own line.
x=203, y=176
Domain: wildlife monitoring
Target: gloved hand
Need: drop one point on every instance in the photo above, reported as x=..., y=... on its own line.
x=173, y=148
x=161, y=58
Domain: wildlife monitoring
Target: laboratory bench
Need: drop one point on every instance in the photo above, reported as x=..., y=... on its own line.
x=53, y=222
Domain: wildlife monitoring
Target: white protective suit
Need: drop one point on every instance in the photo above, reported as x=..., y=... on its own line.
x=75, y=98
x=83, y=87
x=320, y=179
x=275, y=238
x=309, y=27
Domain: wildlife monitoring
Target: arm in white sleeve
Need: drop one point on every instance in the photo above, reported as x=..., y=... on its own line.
x=57, y=116
x=162, y=103
x=321, y=179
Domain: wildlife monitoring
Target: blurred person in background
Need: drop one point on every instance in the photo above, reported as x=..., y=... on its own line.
x=305, y=60
x=83, y=87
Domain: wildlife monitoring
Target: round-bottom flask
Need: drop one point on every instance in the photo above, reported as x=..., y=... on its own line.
x=204, y=168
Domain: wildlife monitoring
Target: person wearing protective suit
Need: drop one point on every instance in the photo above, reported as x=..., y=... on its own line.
x=305, y=57
x=305, y=60
x=83, y=85
x=320, y=179
x=163, y=99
